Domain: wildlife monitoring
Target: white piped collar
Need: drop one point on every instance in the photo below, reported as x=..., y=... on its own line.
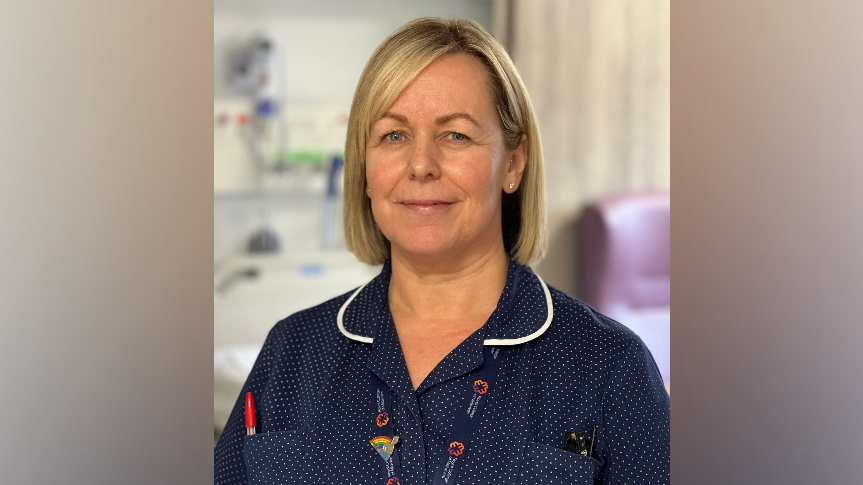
x=524, y=312
x=340, y=320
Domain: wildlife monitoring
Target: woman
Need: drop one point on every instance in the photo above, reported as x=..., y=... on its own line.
x=457, y=364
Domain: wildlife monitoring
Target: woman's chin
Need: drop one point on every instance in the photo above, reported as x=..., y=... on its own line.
x=424, y=247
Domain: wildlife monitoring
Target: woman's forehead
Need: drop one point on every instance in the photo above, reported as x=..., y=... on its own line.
x=450, y=87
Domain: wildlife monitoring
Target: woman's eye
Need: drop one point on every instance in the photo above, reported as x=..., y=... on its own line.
x=457, y=137
x=394, y=136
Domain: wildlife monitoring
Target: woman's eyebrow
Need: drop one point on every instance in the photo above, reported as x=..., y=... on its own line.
x=447, y=118
x=394, y=116
x=439, y=121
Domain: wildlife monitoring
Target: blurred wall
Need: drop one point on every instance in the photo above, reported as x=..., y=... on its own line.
x=598, y=74
x=327, y=42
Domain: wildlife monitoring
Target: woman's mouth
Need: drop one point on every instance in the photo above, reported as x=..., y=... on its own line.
x=426, y=206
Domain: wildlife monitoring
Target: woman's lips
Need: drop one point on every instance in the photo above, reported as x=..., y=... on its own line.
x=426, y=206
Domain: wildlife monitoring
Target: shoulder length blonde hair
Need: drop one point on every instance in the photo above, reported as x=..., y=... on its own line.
x=393, y=65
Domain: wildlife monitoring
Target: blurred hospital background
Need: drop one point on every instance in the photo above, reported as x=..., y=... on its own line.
x=598, y=73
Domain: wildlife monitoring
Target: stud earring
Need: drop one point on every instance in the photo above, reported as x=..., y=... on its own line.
x=511, y=186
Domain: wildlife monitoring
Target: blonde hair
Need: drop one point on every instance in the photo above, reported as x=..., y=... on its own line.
x=393, y=65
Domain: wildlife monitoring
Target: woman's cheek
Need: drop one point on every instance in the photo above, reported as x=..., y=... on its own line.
x=373, y=177
x=381, y=169
x=381, y=186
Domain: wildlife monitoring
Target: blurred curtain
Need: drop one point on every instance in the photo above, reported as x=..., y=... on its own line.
x=598, y=74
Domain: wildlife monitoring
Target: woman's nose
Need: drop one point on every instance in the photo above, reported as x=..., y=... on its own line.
x=424, y=163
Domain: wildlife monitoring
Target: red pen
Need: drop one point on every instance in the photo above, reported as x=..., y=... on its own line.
x=250, y=415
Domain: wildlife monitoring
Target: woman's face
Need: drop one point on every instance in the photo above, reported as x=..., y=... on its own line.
x=436, y=163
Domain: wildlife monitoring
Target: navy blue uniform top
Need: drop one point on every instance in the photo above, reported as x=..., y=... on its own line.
x=565, y=367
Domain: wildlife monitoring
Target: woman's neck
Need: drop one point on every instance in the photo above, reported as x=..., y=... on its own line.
x=436, y=303
x=446, y=293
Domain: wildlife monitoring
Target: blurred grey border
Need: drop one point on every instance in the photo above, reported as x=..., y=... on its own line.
x=767, y=231
x=106, y=215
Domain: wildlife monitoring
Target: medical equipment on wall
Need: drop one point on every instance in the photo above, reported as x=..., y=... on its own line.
x=328, y=210
x=259, y=70
x=256, y=157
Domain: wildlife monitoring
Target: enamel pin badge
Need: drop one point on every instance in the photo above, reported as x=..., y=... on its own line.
x=384, y=445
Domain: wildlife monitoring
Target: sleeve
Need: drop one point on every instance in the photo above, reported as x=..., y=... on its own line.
x=636, y=422
x=229, y=464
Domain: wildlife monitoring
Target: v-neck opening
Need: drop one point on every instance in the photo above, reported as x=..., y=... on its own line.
x=463, y=359
x=387, y=361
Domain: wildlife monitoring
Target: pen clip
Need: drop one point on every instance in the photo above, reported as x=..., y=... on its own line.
x=570, y=441
x=582, y=446
x=578, y=442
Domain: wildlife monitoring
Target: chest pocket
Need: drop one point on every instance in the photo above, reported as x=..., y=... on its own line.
x=546, y=464
x=277, y=457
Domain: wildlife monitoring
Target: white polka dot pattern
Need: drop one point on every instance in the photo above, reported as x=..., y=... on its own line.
x=547, y=464
x=314, y=398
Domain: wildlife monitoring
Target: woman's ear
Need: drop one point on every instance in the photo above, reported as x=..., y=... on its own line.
x=517, y=164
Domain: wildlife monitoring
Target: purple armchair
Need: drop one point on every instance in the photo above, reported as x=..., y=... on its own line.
x=625, y=266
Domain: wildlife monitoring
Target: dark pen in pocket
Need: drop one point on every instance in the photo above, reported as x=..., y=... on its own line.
x=575, y=442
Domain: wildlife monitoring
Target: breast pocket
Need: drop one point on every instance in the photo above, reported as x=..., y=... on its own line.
x=277, y=457
x=546, y=464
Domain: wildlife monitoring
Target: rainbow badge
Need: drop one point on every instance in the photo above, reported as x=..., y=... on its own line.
x=384, y=445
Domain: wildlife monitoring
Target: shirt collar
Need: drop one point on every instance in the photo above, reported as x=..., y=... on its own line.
x=523, y=313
